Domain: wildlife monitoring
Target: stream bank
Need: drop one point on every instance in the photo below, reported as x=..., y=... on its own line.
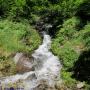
x=46, y=68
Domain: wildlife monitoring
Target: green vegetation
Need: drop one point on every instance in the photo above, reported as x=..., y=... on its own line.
x=15, y=37
x=69, y=43
x=70, y=20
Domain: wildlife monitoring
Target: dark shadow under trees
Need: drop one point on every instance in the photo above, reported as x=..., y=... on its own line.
x=83, y=12
x=81, y=67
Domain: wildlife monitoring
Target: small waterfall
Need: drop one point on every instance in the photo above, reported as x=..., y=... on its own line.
x=47, y=68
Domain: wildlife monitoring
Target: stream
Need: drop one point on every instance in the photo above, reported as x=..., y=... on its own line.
x=47, y=68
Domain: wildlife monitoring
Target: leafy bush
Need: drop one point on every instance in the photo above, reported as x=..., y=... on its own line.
x=17, y=37
x=69, y=7
x=86, y=36
x=17, y=9
x=5, y=6
x=68, y=45
x=69, y=28
x=68, y=81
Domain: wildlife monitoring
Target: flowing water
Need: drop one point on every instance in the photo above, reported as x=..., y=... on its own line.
x=47, y=67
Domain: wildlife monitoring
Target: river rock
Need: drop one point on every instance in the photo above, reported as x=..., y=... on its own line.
x=60, y=85
x=80, y=85
x=24, y=63
x=44, y=85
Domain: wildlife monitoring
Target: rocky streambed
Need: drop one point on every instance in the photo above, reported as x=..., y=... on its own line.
x=39, y=72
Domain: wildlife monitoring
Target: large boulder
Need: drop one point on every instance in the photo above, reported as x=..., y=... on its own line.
x=24, y=63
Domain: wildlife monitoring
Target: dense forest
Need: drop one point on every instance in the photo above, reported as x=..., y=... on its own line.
x=68, y=24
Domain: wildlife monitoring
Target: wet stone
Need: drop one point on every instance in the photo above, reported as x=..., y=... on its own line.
x=24, y=63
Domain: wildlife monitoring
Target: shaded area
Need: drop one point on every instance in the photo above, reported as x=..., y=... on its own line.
x=83, y=12
x=82, y=67
x=50, y=23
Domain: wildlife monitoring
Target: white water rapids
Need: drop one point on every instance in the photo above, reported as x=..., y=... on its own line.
x=47, y=67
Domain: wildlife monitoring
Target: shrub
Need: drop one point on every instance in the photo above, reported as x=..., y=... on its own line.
x=86, y=36
x=70, y=27
x=15, y=36
x=69, y=7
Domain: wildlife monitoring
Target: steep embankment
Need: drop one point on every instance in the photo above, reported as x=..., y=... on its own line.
x=72, y=46
x=15, y=37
